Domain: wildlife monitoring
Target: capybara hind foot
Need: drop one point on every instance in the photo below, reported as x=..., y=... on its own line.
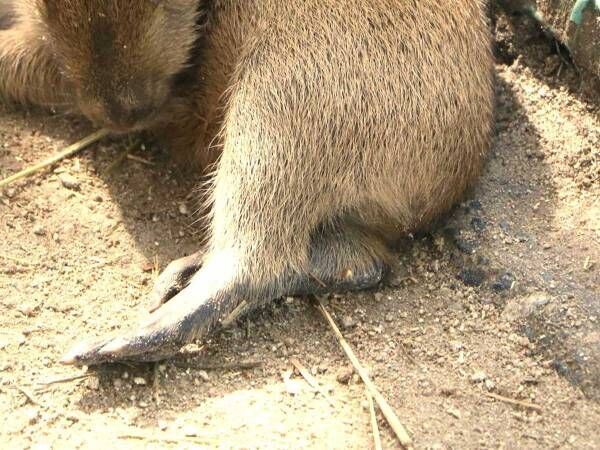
x=189, y=314
x=342, y=260
x=174, y=278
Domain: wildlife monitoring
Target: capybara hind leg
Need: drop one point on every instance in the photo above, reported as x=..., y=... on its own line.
x=340, y=259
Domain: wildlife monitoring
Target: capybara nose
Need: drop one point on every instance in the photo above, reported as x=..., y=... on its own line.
x=128, y=115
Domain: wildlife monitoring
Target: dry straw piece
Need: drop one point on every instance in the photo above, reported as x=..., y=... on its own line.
x=69, y=151
x=384, y=406
x=374, y=427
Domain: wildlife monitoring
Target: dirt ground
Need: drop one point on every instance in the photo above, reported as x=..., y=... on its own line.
x=501, y=298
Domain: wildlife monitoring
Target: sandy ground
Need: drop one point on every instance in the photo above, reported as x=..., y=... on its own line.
x=502, y=298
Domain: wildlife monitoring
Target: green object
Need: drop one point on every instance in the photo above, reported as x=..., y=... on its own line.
x=580, y=5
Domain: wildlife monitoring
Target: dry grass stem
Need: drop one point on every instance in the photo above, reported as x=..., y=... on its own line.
x=69, y=151
x=311, y=380
x=384, y=406
x=237, y=312
x=139, y=159
x=30, y=398
x=122, y=156
x=374, y=426
x=169, y=439
x=501, y=398
x=66, y=379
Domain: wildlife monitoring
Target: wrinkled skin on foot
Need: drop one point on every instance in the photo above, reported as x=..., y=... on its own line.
x=159, y=338
x=177, y=306
x=162, y=335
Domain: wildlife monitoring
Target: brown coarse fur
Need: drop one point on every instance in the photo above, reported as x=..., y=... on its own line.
x=378, y=110
x=341, y=125
x=114, y=61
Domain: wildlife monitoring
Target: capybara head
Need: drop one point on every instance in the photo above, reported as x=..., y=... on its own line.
x=121, y=56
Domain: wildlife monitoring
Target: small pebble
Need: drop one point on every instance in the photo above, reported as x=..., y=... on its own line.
x=39, y=230
x=183, y=210
x=456, y=345
x=202, y=374
x=504, y=282
x=139, y=381
x=449, y=391
x=69, y=181
x=344, y=375
x=27, y=309
x=454, y=412
x=478, y=377
x=348, y=322
x=93, y=383
x=472, y=277
x=73, y=417
x=190, y=431
x=32, y=416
